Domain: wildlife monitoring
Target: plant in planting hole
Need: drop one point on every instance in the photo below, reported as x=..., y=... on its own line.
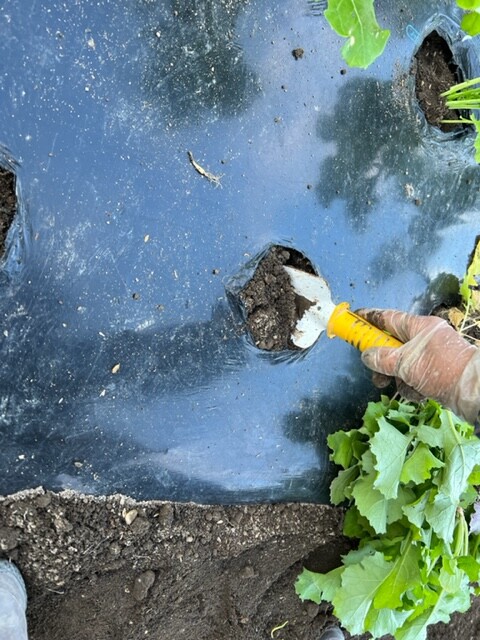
x=356, y=20
x=465, y=97
x=409, y=475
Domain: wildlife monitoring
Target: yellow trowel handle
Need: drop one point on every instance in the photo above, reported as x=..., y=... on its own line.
x=345, y=324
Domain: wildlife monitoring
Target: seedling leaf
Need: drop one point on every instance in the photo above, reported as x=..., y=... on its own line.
x=416, y=628
x=389, y=447
x=458, y=467
x=469, y=5
x=404, y=572
x=371, y=503
x=419, y=465
x=411, y=493
x=317, y=586
x=415, y=511
x=356, y=20
x=470, y=566
x=471, y=23
x=360, y=583
x=355, y=525
x=380, y=622
x=339, y=489
x=342, y=445
x=440, y=515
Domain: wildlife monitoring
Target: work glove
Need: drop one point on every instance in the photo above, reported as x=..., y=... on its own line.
x=434, y=361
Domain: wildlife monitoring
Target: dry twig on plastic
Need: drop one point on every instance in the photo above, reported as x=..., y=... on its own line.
x=203, y=172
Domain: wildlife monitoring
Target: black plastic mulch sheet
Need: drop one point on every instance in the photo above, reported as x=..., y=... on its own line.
x=123, y=368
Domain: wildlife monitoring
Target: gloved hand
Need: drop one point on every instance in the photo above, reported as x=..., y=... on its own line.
x=434, y=362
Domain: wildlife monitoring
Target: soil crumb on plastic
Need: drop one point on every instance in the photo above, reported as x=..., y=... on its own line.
x=270, y=301
x=8, y=205
x=435, y=71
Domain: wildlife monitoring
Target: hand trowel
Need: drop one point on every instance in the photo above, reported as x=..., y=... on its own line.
x=320, y=314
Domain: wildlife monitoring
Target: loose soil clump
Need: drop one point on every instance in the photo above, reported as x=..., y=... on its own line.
x=270, y=302
x=8, y=205
x=435, y=71
x=298, y=53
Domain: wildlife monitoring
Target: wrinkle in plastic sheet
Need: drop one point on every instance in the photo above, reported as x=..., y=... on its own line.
x=121, y=251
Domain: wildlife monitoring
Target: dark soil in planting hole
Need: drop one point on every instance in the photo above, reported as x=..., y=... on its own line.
x=435, y=71
x=8, y=205
x=270, y=301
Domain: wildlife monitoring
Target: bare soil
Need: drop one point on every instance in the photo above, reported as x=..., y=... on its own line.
x=113, y=568
x=110, y=568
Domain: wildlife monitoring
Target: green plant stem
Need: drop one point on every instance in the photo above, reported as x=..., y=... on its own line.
x=463, y=104
x=465, y=536
x=467, y=311
x=474, y=550
x=461, y=537
x=459, y=87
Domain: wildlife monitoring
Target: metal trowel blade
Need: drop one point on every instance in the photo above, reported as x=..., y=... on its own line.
x=316, y=299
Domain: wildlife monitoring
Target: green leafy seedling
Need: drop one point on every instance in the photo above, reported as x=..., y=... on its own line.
x=465, y=96
x=410, y=493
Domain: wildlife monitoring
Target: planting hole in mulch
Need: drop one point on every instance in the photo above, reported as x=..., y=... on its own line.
x=436, y=71
x=271, y=305
x=8, y=205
